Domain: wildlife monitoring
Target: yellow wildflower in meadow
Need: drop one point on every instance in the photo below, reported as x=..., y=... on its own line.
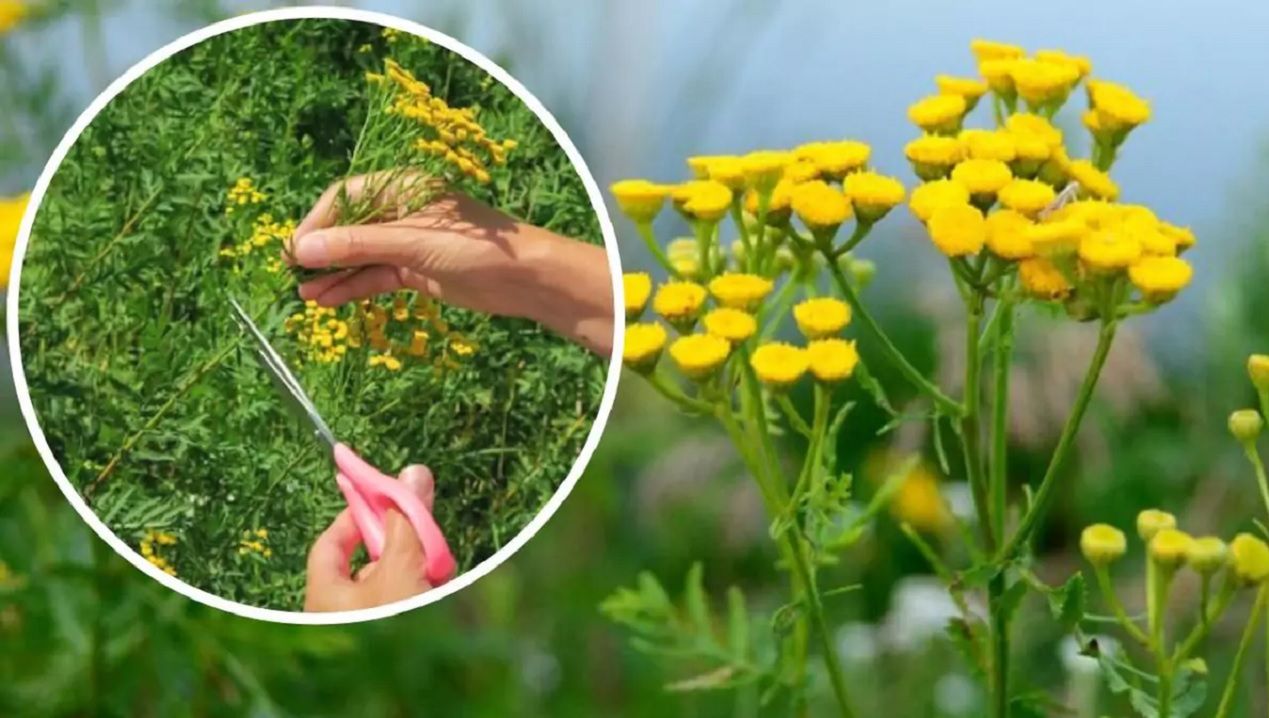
x=933, y=195
x=779, y=365
x=958, y=230
x=821, y=317
x=832, y=360
x=871, y=195
x=11, y=211
x=740, y=290
x=640, y=200
x=679, y=301
x=12, y=13
x=820, y=207
x=698, y=356
x=636, y=287
x=733, y=325
x=643, y=345
x=939, y=114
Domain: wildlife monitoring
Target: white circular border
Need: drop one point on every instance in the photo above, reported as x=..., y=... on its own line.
x=296, y=617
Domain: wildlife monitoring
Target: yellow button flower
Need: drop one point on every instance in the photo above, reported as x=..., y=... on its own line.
x=1057, y=237
x=1109, y=251
x=821, y=317
x=985, y=50
x=640, y=200
x=1025, y=123
x=832, y=360
x=1207, y=555
x=1250, y=558
x=1152, y=521
x=11, y=211
x=739, y=290
x=1118, y=109
x=999, y=75
x=733, y=325
x=932, y=195
x=1258, y=371
x=764, y=168
x=967, y=87
x=1043, y=83
x=1007, y=235
x=1183, y=236
x=872, y=195
x=1102, y=544
x=983, y=178
x=684, y=255
x=679, y=301
x=1160, y=278
x=933, y=156
x=698, y=356
x=1246, y=425
x=820, y=207
x=988, y=144
x=1027, y=196
x=938, y=113
x=1093, y=182
x=704, y=200
x=1169, y=547
x=637, y=287
x=958, y=230
x=778, y=364
x=1042, y=279
x=779, y=207
x=643, y=345
x=801, y=171
x=835, y=159
x=12, y=12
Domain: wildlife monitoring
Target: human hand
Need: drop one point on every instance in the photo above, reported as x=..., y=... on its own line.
x=458, y=250
x=399, y=572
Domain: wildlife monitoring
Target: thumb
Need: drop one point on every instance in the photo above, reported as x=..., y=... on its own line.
x=401, y=544
x=357, y=246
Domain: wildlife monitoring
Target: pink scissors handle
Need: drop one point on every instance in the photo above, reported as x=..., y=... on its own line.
x=370, y=493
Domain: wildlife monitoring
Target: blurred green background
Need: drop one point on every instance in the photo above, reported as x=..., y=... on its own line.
x=639, y=85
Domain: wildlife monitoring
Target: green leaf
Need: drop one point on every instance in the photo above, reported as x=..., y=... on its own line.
x=1067, y=603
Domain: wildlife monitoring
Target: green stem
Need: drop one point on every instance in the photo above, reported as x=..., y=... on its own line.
x=650, y=240
x=1044, y=496
x=1227, y=696
x=945, y=403
x=1116, y=607
x=861, y=231
x=738, y=217
x=803, y=571
x=998, y=685
x=795, y=419
x=1001, y=364
x=676, y=395
x=1253, y=455
x=1200, y=630
x=819, y=427
x=971, y=446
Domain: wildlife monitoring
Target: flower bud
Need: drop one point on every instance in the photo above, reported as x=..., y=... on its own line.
x=1152, y=521
x=1102, y=544
x=1258, y=370
x=1246, y=425
x=1250, y=558
x=1207, y=555
x=1169, y=547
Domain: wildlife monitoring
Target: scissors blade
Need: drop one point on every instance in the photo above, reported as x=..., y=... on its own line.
x=281, y=376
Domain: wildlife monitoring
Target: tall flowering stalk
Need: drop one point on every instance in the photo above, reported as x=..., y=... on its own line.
x=1021, y=222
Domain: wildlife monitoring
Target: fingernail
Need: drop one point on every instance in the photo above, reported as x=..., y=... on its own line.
x=311, y=250
x=417, y=477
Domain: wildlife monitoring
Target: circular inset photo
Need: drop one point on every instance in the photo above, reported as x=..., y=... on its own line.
x=314, y=315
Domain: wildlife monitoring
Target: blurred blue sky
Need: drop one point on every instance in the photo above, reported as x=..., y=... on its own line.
x=640, y=84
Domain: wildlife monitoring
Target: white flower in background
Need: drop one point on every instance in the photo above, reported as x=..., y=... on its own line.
x=955, y=694
x=960, y=500
x=857, y=642
x=920, y=608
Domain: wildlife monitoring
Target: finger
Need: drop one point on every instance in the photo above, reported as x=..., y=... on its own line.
x=357, y=246
x=314, y=287
x=323, y=214
x=328, y=558
x=361, y=284
x=392, y=189
x=420, y=480
x=401, y=542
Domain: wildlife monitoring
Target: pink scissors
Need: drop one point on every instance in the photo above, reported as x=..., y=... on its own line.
x=368, y=491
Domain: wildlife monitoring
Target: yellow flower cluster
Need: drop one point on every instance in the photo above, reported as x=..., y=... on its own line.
x=11, y=211
x=1169, y=548
x=152, y=546
x=1014, y=194
x=243, y=192
x=455, y=135
x=256, y=543
x=12, y=13
x=323, y=336
x=265, y=231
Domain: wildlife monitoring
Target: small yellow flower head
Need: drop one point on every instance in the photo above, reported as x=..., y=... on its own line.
x=1109, y=251
x=679, y=301
x=12, y=12
x=733, y=325
x=934, y=156
x=821, y=317
x=11, y=211
x=1043, y=83
x=1250, y=558
x=1160, y=278
x=801, y=171
x=988, y=144
x=699, y=164
x=1258, y=370
x=778, y=364
x=1246, y=425
x=1152, y=521
x=932, y=195
x=724, y=169
x=643, y=345
x=740, y=291
x=705, y=200
x=985, y=50
x=958, y=230
x=698, y=356
x=835, y=159
x=1057, y=237
x=1207, y=555
x=1027, y=196
x=832, y=360
x=820, y=207
x=1183, y=236
x=999, y=76
x=1082, y=65
x=938, y=113
x=1025, y=123
x=1102, y=544
x=1169, y=547
x=1093, y=182
x=764, y=168
x=1042, y=279
x=1007, y=235
x=967, y=87
x=640, y=200
x=637, y=287
x=872, y=195
x=1118, y=109
x=983, y=178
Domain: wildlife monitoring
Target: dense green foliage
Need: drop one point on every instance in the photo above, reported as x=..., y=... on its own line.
x=142, y=383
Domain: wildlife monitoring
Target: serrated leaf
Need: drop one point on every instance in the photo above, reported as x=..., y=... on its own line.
x=1068, y=602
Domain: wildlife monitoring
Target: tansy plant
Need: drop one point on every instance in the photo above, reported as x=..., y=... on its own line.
x=1022, y=224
